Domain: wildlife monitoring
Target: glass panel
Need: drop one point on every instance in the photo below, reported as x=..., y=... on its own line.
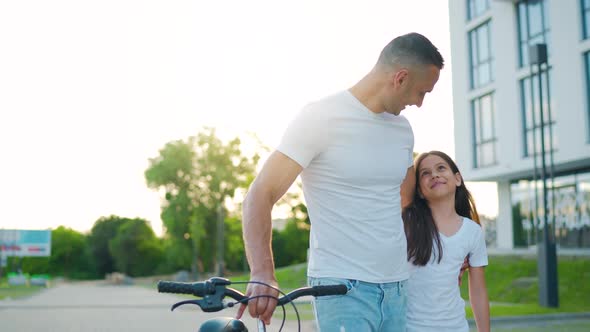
x=524, y=54
x=548, y=138
x=523, y=217
x=523, y=34
x=586, y=17
x=535, y=13
x=537, y=113
x=473, y=59
x=482, y=6
x=470, y=9
x=583, y=199
x=533, y=21
x=568, y=206
x=484, y=74
x=477, y=118
x=476, y=8
x=530, y=149
x=482, y=36
x=546, y=17
x=488, y=154
x=487, y=118
x=546, y=116
x=526, y=101
x=480, y=56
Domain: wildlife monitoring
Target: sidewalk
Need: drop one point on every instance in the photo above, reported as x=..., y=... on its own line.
x=532, y=252
x=534, y=322
x=98, y=307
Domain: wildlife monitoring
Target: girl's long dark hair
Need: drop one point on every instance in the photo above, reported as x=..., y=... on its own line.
x=419, y=225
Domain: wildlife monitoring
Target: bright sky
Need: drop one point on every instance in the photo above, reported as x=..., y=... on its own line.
x=89, y=90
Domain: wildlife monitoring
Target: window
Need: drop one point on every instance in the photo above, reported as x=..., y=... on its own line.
x=484, y=131
x=529, y=90
x=476, y=7
x=533, y=27
x=585, y=18
x=568, y=209
x=480, y=57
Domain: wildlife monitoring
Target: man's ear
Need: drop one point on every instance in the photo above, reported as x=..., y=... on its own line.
x=400, y=77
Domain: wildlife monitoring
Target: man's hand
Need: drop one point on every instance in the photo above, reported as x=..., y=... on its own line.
x=263, y=301
x=464, y=267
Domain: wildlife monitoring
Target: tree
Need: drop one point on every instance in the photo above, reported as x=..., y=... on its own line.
x=104, y=230
x=197, y=176
x=69, y=256
x=291, y=244
x=135, y=248
x=234, y=253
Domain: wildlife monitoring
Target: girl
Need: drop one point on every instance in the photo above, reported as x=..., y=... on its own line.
x=442, y=227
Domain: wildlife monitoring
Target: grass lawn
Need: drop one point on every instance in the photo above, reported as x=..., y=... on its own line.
x=511, y=281
x=14, y=292
x=513, y=286
x=549, y=327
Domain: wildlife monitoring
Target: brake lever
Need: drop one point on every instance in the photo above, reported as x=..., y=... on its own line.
x=206, y=304
x=213, y=300
x=176, y=305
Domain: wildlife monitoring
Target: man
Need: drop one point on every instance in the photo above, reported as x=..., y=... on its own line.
x=354, y=153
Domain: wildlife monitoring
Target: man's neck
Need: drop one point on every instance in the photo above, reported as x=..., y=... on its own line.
x=367, y=91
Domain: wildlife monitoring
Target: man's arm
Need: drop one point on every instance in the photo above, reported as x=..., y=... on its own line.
x=408, y=187
x=277, y=175
x=478, y=296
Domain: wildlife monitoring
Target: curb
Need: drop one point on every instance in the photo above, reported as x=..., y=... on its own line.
x=535, y=318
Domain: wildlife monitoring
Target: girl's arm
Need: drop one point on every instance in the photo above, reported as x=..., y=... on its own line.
x=478, y=296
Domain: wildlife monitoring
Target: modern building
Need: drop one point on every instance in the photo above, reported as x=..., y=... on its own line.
x=502, y=113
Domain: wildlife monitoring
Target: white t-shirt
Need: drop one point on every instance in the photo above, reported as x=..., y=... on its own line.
x=354, y=162
x=434, y=298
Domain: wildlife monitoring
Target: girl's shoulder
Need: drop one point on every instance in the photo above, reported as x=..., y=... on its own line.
x=471, y=225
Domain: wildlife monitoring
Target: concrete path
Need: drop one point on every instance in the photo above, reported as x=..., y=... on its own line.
x=98, y=307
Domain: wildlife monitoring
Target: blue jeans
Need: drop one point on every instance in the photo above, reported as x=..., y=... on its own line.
x=367, y=307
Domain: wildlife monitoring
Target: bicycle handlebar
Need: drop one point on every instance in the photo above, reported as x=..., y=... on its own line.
x=214, y=290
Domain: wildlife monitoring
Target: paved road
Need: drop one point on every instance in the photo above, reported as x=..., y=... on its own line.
x=97, y=307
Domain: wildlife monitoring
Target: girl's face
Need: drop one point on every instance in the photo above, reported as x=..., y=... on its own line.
x=436, y=178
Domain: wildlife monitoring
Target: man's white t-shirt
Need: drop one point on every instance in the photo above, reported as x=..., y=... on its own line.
x=434, y=298
x=354, y=162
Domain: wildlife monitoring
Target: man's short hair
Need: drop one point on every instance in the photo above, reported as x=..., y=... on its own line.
x=410, y=49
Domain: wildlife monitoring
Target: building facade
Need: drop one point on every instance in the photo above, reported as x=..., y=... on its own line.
x=511, y=115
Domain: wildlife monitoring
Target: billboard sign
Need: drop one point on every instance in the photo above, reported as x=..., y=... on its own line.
x=24, y=243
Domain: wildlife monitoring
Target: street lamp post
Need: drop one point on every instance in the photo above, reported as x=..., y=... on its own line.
x=547, y=256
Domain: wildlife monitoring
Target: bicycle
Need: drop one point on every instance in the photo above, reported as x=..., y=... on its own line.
x=214, y=290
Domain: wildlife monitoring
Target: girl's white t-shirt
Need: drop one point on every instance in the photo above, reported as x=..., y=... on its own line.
x=434, y=298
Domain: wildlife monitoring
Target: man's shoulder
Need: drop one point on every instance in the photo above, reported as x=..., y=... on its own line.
x=332, y=99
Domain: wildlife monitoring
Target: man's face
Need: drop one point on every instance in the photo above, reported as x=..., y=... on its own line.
x=412, y=87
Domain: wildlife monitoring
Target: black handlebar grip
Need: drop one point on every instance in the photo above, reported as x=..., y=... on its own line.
x=197, y=288
x=330, y=290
